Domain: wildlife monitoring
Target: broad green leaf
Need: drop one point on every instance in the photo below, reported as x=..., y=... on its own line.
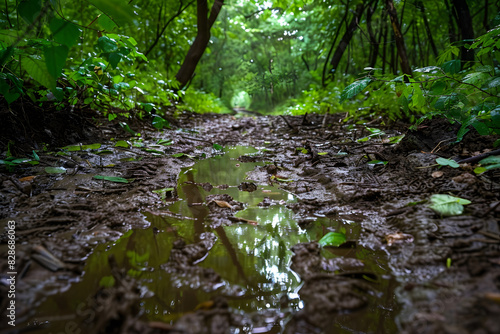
x=452, y=66
x=322, y=153
x=105, y=22
x=396, y=139
x=64, y=32
x=55, y=170
x=107, y=281
x=122, y=143
x=476, y=78
x=217, y=147
x=107, y=44
x=446, y=205
x=334, y=239
x=111, y=178
x=494, y=159
x=55, y=59
x=148, y=107
x=119, y=11
x=29, y=10
x=159, y=122
x=37, y=69
x=447, y=162
x=354, y=89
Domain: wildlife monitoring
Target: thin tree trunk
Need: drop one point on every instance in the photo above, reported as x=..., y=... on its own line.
x=400, y=43
x=465, y=26
x=201, y=41
x=325, y=65
x=353, y=25
x=420, y=6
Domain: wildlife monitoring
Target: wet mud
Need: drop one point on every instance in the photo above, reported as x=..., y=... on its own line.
x=217, y=229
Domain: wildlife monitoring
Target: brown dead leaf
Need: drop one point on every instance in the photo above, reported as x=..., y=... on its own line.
x=398, y=237
x=493, y=296
x=437, y=174
x=223, y=204
x=467, y=178
x=27, y=178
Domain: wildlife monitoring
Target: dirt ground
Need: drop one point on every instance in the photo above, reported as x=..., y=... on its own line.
x=444, y=272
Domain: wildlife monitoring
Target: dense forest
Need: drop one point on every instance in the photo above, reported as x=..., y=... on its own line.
x=416, y=57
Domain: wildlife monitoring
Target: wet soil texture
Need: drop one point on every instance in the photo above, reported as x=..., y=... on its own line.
x=223, y=224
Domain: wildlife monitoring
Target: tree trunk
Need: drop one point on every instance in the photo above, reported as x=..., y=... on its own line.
x=200, y=43
x=428, y=31
x=465, y=26
x=400, y=42
x=353, y=25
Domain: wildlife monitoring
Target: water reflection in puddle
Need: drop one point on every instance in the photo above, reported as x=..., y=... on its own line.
x=252, y=261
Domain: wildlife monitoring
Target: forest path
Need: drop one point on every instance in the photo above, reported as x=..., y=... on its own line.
x=402, y=268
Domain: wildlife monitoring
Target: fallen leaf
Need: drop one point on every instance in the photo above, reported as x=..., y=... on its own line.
x=493, y=296
x=437, y=174
x=398, y=237
x=27, y=178
x=223, y=204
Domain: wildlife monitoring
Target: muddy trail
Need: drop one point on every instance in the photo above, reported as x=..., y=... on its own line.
x=225, y=224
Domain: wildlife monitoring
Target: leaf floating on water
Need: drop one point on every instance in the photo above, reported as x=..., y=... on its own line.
x=111, y=178
x=334, y=239
x=447, y=205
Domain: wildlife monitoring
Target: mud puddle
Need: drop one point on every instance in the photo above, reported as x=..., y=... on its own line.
x=225, y=236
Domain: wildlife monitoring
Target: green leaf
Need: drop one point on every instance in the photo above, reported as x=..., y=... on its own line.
x=334, y=239
x=164, y=142
x=107, y=44
x=322, y=153
x=447, y=162
x=55, y=170
x=29, y=10
x=446, y=205
x=476, y=78
x=452, y=66
x=64, y=32
x=107, y=281
x=55, y=59
x=494, y=159
x=122, y=143
x=217, y=147
x=354, y=89
x=111, y=178
x=35, y=156
x=37, y=69
x=128, y=129
x=117, y=10
x=105, y=22
x=159, y=122
x=148, y=107
x=479, y=170
x=178, y=155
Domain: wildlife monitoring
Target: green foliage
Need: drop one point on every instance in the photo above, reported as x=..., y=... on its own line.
x=446, y=205
x=201, y=102
x=447, y=162
x=334, y=239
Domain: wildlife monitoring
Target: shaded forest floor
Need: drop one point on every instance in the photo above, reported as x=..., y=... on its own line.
x=446, y=269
